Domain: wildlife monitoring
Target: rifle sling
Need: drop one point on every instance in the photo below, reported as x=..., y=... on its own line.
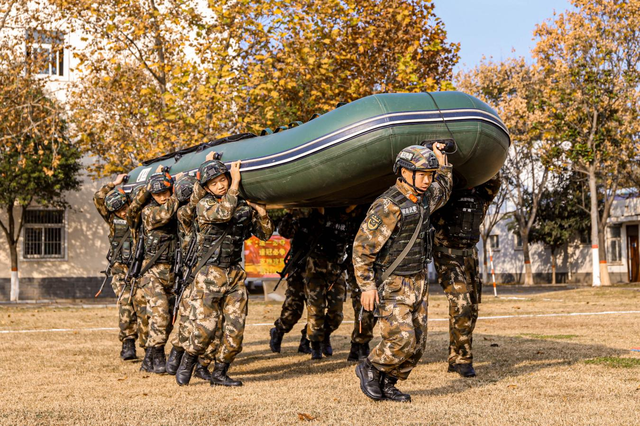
x=153, y=259
x=208, y=254
x=387, y=273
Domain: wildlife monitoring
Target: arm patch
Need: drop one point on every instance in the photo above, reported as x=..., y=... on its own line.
x=373, y=222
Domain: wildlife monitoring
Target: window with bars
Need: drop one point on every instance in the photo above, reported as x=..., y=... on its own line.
x=44, y=234
x=614, y=244
x=494, y=242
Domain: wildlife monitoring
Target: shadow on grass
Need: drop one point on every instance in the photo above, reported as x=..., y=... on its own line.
x=513, y=356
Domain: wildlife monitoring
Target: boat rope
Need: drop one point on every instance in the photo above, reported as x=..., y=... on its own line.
x=445, y=123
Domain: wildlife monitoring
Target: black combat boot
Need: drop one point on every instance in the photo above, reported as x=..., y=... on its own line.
x=369, y=380
x=465, y=370
x=275, y=343
x=147, y=363
x=128, y=349
x=185, y=370
x=316, y=350
x=219, y=376
x=390, y=391
x=304, y=347
x=364, y=351
x=327, y=350
x=175, y=356
x=201, y=372
x=159, y=360
x=354, y=353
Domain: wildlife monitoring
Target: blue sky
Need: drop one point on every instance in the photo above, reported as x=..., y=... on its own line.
x=494, y=27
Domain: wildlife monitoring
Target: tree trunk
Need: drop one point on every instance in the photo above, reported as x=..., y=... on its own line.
x=595, y=255
x=605, y=279
x=15, y=278
x=528, y=272
x=485, y=257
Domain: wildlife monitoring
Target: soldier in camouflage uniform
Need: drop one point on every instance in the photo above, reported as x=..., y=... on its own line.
x=292, y=226
x=155, y=207
x=325, y=286
x=395, y=282
x=112, y=206
x=224, y=221
x=183, y=190
x=457, y=227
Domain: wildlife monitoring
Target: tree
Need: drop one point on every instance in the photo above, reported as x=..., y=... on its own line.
x=514, y=89
x=560, y=216
x=590, y=60
x=160, y=75
x=495, y=214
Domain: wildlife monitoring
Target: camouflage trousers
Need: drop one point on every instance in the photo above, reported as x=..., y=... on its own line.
x=402, y=316
x=132, y=315
x=218, y=294
x=181, y=331
x=325, y=289
x=140, y=304
x=293, y=304
x=459, y=277
x=156, y=285
x=362, y=328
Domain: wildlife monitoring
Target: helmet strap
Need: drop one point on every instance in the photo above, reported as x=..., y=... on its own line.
x=413, y=186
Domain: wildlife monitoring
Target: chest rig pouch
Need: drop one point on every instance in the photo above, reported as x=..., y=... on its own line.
x=120, y=230
x=233, y=234
x=332, y=241
x=161, y=240
x=464, y=215
x=420, y=253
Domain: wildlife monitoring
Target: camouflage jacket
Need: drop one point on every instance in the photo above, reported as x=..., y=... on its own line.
x=186, y=215
x=212, y=210
x=99, y=201
x=382, y=220
x=153, y=215
x=443, y=219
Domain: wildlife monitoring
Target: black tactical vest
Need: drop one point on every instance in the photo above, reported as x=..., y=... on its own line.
x=238, y=229
x=120, y=228
x=333, y=236
x=463, y=214
x=417, y=258
x=162, y=239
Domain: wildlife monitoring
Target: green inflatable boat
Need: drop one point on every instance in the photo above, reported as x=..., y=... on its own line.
x=346, y=156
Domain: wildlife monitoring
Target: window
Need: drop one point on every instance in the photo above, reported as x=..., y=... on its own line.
x=46, y=51
x=494, y=242
x=44, y=234
x=517, y=239
x=584, y=237
x=614, y=244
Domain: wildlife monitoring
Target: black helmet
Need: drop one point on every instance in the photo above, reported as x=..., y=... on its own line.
x=159, y=182
x=184, y=188
x=416, y=158
x=115, y=200
x=211, y=170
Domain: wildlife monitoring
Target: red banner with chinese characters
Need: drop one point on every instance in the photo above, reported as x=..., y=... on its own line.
x=264, y=259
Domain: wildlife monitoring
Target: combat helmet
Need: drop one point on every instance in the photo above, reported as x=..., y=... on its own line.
x=184, y=188
x=115, y=200
x=416, y=158
x=210, y=170
x=159, y=182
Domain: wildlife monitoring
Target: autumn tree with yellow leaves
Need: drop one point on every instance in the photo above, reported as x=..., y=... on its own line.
x=160, y=75
x=590, y=59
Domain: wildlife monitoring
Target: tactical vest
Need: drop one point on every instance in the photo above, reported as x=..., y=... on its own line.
x=120, y=229
x=238, y=229
x=462, y=215
x=333, y=238
x=417, y=258
x=162, y=239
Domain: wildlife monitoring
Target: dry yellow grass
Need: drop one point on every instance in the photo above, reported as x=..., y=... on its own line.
x=531, y=370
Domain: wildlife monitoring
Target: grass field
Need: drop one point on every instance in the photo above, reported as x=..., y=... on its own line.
x=537, y=364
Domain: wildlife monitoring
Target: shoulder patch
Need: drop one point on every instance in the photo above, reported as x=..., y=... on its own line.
x=373, y=222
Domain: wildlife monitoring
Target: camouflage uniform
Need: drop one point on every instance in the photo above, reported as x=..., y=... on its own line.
x=325, y=285
x=403, y=308
x=186, y=216
x=131, y=316
x=295, y=299
x=456, y=261
x=362, y=327
x=159, y=229
x=219, y=287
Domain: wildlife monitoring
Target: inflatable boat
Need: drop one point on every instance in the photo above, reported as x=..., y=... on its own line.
x=346, y=156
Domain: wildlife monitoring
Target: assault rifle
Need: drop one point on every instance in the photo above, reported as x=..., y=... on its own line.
x=183, y=272
x=135, y=266
x=293, y=263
